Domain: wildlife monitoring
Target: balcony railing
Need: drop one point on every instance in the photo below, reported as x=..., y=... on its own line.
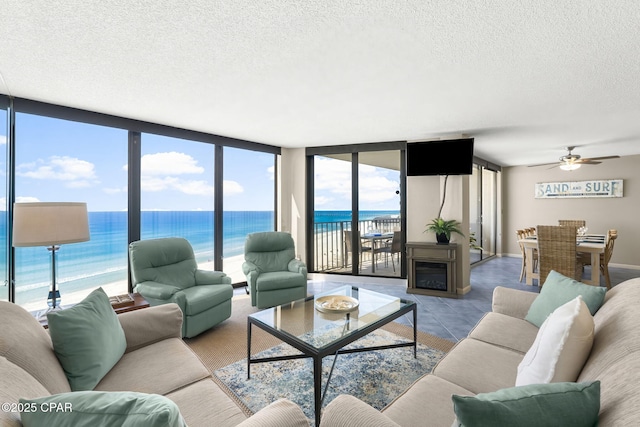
x=330, y=253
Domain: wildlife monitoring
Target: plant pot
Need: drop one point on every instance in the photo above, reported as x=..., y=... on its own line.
x=442, y=239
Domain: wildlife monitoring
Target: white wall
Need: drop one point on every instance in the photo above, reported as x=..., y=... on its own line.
x=521, y=209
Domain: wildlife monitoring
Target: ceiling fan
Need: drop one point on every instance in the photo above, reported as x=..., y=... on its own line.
x=572, y=161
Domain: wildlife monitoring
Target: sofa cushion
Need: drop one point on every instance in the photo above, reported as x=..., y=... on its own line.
x=94, y=408
x=158, y=368
x=561, y=346
x=479, y=367
x=16, y=383
x=429, y=398
x=203, y=403
x=26, y=343
x=559, y=290
x=87, y=339
x=535, y=405
x=505, y=331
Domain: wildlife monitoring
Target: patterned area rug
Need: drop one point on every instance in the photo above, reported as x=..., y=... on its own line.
x=376, y=377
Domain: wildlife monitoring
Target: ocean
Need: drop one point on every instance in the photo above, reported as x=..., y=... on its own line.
x=103, y=259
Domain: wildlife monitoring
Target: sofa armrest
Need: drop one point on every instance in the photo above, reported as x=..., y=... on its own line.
x=156, y=290
x=281, y=413
x=149, y=325
x=208, y=277
x=348, y=411
x=512, y=302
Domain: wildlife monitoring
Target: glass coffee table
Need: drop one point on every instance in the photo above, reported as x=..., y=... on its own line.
x=323, y=324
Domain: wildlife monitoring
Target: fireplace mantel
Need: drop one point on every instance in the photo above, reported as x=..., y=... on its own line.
x=432, y=269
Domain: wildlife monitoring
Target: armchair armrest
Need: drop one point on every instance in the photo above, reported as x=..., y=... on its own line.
x=156, y=290
x=248, y=267
x=348, y=411
x=208, y=277
x=512, y=302
x=148, y=325
x=297, y=266
x=281, y=413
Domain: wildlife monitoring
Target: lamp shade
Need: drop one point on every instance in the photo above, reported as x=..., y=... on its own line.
x=48, y=224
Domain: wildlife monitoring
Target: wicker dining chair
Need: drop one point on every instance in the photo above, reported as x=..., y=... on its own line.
x=605, y=257
x=572, y=222
x=557, y=251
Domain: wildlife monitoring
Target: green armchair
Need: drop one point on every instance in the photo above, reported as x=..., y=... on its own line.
x=274, y=275
x=165, y=270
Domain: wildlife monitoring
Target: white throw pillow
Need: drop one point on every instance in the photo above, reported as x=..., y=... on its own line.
x=561, y=347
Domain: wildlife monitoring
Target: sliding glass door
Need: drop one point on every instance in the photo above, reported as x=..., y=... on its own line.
x=483, y=217
x=357, y=223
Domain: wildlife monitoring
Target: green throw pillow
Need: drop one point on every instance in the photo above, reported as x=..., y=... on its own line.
x=559, y=290
x=536, y=405
x=87, y=339
x=101, y=408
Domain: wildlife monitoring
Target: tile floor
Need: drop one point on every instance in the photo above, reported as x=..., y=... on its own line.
x=446, y=317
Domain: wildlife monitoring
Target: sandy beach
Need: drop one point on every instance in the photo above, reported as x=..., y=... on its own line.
x=232, y=267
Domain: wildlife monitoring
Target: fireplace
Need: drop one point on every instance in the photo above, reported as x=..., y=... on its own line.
x=432, y=269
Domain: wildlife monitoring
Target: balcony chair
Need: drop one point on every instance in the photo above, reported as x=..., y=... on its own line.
x=274, y=275
x=348, y=243
x=557, y=251
x=393, y=247
x=165, y=270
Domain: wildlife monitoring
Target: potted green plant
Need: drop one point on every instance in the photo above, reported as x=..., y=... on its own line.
x=443, y=228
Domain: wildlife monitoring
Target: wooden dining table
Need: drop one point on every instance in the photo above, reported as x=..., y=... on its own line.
x=592, y=244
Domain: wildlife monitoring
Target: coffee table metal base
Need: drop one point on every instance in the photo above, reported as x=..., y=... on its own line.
x=335, y=349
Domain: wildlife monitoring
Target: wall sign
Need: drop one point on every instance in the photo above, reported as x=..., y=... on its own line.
x=576, y=189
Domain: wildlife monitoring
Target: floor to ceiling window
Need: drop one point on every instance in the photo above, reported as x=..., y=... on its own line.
x=177, y=193
x=61, y=154
x=4, y=278
x=65, y=161
x=249, y=203
x=357, y=205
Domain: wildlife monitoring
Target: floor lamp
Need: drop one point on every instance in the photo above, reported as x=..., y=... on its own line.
x=50, y=224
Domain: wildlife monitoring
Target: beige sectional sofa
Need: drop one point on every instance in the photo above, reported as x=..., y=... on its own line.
x=156, y=361
x=488, y=358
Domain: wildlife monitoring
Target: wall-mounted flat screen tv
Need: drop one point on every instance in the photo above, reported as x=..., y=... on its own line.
x=443, y=157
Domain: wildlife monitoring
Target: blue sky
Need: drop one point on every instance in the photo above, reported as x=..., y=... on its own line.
x=59, y=160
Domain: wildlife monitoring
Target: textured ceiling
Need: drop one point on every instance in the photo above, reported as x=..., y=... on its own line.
x=525, y=78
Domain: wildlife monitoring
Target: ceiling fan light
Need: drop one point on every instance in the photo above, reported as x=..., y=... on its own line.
x=570, y=166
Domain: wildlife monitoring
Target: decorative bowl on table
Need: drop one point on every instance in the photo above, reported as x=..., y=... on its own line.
x=336, y=304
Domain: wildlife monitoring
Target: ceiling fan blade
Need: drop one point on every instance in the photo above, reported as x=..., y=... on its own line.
x=601, y=158
x=544, y=164
x=587, y=162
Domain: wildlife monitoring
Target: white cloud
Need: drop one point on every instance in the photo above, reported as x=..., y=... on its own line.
x=333, y=177
x=3, y=139
x=114, y=190
x=231, y=188
x=194, y=188
x=169, y=164
x=271, y=172
x=76, y=172
x=321, y=200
